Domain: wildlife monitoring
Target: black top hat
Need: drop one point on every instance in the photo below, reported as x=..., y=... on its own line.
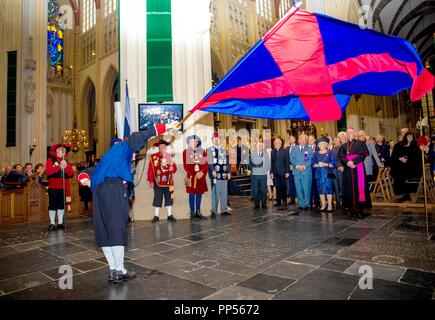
x=166, y=143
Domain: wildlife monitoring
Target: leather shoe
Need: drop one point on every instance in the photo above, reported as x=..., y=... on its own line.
x=225, y=214
x=61, y=226
x=119, y=278
x=213, y=215
x=52, y=227
x=171, y=218
x=112, y=274
x=155, y=219
x=198, y=215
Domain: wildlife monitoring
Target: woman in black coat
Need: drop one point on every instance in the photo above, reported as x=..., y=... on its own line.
x=406, y=166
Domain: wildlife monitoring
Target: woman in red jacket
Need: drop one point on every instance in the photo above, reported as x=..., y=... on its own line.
x=196, y=167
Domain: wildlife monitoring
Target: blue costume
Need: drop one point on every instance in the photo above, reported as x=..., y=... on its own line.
x=324, y=184
x=302, y=156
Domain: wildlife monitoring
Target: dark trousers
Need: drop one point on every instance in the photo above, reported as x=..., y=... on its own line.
x=291, y=188
x=280, y=183
x=195, y=199
x=315, y=198
x=259, y=189
x=56, y=199
x=159, y=194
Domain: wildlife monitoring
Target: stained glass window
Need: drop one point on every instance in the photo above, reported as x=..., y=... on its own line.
x=55, y=37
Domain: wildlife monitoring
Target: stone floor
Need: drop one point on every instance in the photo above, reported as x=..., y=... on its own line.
x=253, y=254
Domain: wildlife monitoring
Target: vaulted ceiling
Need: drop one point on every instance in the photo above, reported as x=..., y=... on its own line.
x=413, y=20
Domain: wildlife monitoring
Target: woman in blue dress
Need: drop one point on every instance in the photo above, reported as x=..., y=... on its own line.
x=323, y=162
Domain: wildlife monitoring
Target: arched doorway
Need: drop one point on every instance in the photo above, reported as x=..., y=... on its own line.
x=111, y=95
x=91, y=116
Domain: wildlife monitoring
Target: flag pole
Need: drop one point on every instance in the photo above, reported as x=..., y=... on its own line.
x=425, y=192
x=424, y=179
x=185, y=118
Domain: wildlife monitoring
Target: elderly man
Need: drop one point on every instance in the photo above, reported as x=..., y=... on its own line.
x=356, y=195
x=59, y=171
x=301, y=159
x=383, y=150
x=341, y=140
x=280, y=172
x=371, y=170
x=260, y=164
x=219, y=172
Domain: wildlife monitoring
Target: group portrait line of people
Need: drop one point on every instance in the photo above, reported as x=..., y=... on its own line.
x=314, y=174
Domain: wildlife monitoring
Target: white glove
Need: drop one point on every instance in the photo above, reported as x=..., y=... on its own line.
x=86, y=182
x=170, y=127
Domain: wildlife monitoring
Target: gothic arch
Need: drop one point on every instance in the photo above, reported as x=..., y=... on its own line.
x=89, y=112
x=110, y=96
x=216, y=65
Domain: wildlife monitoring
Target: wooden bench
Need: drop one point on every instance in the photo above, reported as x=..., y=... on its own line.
x=30, y=203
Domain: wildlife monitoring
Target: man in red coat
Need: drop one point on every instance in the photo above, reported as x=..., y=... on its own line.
x=161, y=170
x=59, y=171
x=196, y=167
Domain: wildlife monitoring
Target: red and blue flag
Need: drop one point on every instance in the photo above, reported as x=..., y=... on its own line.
x=308, y=66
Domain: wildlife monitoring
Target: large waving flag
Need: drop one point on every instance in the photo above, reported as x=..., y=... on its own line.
x=127, y=120
x=309, y=65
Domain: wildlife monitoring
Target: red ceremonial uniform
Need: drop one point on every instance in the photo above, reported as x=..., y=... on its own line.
x=161, y=170
x=193, y=163
x=54, y=174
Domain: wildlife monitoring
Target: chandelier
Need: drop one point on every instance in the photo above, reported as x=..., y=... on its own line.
x=77, y=139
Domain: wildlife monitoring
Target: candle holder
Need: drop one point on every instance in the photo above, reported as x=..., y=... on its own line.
x=32, y=149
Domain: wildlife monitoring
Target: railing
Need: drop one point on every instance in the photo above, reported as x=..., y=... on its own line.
x=30, y=203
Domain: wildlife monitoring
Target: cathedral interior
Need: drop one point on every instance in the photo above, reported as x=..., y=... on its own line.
x=64, y=66
x=76, y=87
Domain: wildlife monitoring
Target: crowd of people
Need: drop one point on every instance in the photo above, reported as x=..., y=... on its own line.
x=321, y=174
x=17, y=175
x=317, y=174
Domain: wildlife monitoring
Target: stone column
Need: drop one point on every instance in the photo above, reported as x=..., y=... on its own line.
x=191, y=81
x=34, y=80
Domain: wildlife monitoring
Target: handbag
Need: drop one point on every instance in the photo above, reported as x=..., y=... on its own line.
x=331, y=175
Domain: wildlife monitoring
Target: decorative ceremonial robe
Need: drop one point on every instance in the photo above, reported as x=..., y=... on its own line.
x=161, y=170
x=356, y=194
x=194, y=162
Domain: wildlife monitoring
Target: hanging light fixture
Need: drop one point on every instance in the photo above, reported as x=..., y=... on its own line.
x=77, y=139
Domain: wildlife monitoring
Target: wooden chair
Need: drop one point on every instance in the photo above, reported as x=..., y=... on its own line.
x=387, y=181
x=430, y=187
x=378, y=187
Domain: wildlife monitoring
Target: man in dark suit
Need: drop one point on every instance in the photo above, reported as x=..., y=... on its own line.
x=280, y=172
